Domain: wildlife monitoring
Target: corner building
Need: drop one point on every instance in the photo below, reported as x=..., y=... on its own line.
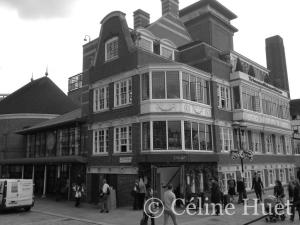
x=170, y=100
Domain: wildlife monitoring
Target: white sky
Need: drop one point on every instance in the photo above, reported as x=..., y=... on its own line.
x=40, y=33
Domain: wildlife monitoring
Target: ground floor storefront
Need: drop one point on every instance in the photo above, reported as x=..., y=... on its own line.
x=50, y=179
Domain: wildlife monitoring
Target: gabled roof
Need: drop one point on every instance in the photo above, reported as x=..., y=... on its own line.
x=39, y=96
x=70, y=117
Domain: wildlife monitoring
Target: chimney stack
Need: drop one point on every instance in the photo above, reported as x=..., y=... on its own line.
x=276, y=62
x=141, y=18
x=170, y=7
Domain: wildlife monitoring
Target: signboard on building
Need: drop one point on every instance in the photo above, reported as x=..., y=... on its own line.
x=125, y=159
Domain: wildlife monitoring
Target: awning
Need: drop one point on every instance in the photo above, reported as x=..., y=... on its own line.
x=45, y=160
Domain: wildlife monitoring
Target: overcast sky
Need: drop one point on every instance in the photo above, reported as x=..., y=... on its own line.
x=40, y=33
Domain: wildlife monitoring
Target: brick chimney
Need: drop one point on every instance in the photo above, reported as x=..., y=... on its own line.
x=276, y=62
x=141, y=18
x=170, y=7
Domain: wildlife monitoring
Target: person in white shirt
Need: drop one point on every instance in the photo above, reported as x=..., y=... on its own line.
x=169, y=197
x=104, y=193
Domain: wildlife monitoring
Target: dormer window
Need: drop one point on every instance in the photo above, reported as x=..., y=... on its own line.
x=167, y=52
x=146, y=44
x=112, y=49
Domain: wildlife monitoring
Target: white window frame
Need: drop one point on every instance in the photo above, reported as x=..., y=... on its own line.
x=288, y=145
x=248, y=179
x=282, y=175
x=119, y=138
x=167, y=48
x=96, y=141
x=279, y=144
x=273, y=177
x=118, y=93
x=229, y=134
x=267, y=144
x=96, y=95
x=110, y=41
x=226, y=98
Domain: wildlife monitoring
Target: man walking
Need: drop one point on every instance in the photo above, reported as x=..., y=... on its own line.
x=258, y=186
x=169, y=197
x=104, y=193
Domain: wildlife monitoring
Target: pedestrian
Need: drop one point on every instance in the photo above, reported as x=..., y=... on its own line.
x=142, y=193
x=231, y=188
x=296, y=200
x=291, y=187
x=258, y=186
x=240, y=186
x=278, y=190
x=78, y=190
x=104, y=194
x=58, y=188
x=222, y=193
x=149, y=207
x=169, y=198
x=215, y=195
x=135, y=194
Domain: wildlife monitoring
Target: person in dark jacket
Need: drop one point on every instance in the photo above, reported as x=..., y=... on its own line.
x=216, y=195
x=240, y=186
x=278, y=190
x=231, y=188
x=296, y=200
x=135, y=195
x=258, y=186
x=291, y=187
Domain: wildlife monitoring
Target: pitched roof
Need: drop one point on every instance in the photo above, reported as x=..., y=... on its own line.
x=73, y=116
x=40, y=96
x=295, y=107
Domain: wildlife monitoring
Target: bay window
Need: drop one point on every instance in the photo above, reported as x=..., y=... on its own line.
x=197, y=136
x=159, y=135
x=174, y=135
x=288, y=145
x=123, y=139
x=145, y=86
x=158, y=85
x=165, y=84
x=268, y=143
x=256, y=141
x=123, y=92
x=250, y=98
x=279, y=144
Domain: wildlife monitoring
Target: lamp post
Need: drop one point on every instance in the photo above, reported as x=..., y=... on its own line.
x=241, y=152
x=87, y=38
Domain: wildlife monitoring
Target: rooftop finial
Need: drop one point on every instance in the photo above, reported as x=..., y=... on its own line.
x=46, y=73
x=31, y=79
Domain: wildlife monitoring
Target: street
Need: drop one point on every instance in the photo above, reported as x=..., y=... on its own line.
x=47, y=211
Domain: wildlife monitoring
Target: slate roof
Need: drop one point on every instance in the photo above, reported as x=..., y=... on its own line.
x=73, y=116
x=40, y=96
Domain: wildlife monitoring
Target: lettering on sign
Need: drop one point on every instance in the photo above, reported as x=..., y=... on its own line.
x=125, y=159
x=179, y=157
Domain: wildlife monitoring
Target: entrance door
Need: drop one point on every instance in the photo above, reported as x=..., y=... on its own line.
x=168, y=175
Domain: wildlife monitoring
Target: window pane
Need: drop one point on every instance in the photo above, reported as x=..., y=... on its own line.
x=193, y=88
x=174, y=134
x=173, y=84
x=195, y=136
x=146, y=135
x=145, y=86
x=208, y=137
x=165, y=52
x=187, y=135
x=158, y=85
x=202, y=136
x=185, y=86
x=159, y=135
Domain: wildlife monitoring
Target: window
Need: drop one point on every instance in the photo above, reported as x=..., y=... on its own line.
x=256, y=141
x=100, y=141
x=146, y=136
x=236, y=96
x=123, y=139
x=272, y=177
x=165, y=84
x=250, y=99
x=291, y=173
x=248, y=180
x=159, y=135
x=226, y=139
x=282, y=175
x=101, y=98
x=123, y=92
x=75, y=82
x=111, y=49
x=145, y=86
x=279, y=144
x=167, y=52
x=268, y=143
x=288, y=145
x=195, y=89
x=146, y=44
x=174, y=135
x=224, y=101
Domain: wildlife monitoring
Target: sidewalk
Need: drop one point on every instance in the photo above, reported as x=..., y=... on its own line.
x=126, y=216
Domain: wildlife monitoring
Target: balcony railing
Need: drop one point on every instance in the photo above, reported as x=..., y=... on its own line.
x=75, y=82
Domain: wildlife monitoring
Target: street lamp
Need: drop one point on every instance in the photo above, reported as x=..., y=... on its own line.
x=241, y=152
x=87, y=38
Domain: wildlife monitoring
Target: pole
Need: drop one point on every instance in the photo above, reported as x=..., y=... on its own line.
x=45, y=182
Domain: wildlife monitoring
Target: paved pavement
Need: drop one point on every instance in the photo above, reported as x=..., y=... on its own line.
x=49, y=212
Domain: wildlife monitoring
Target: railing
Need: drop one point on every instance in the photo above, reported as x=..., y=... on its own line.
x=75, y=82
